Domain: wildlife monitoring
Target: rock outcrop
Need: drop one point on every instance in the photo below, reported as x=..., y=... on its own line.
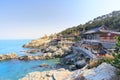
x=8, y=56
x=43, y=65
x=48, y=55
x=59, y=74
x=78, y=59
x=52, y=53
x=55, y=52
x=33, y=51
x=41, y=43
x=102, y=72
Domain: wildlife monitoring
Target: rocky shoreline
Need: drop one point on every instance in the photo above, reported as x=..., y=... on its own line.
x=59, y=74
x=78, y=63
x=68, y=58
x=27, y=57
x=49, y=53
x=102, y=72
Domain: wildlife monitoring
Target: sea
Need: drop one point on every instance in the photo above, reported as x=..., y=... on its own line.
x=16, y=69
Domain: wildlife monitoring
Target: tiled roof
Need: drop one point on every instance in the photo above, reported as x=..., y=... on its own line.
x=101, y=29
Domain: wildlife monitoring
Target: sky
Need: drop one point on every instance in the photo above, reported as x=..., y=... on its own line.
x=30, y=19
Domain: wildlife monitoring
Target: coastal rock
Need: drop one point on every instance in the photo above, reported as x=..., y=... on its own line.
x=43, y=65
x=78, y=57
x=59, y=74
x=8, y=56
x=66, y=49
x=29, y=57
x=26, y=57
x=54, y=52
x=40, y=57
x=102, y=72
x=47, y=55
x=53, y=48
x=37, y=58
x=72, y=67
x=37, y=43
x=80, y=64
x=33, y=51
x=59, y=53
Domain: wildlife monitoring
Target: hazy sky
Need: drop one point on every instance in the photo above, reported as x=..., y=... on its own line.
x=22, y=19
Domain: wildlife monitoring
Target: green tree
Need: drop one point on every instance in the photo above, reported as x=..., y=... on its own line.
x=116, y=61
x=117, y=47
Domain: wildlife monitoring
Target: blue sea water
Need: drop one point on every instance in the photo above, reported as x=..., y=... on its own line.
x=8, y=46
x=15, y=69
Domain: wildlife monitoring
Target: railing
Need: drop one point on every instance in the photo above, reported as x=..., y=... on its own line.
x=106, y=44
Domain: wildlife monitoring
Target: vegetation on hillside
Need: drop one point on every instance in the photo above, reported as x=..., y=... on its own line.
x=111, y=20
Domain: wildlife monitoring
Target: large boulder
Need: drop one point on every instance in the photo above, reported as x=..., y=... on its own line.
x=47, y=55
x=58, y=53
x=43, y=65
x=37, y=57
x=53, y=48
x=80, y=64
x=102, y=72
x=26, y=57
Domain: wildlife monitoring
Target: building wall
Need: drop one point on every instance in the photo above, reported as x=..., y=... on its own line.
x=102, y=37
x=107, y=37
x=92, y=36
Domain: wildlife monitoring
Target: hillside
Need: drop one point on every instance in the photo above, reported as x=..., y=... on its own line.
x=111, y=20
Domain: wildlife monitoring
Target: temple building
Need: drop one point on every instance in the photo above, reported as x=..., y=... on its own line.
x=101, y=35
